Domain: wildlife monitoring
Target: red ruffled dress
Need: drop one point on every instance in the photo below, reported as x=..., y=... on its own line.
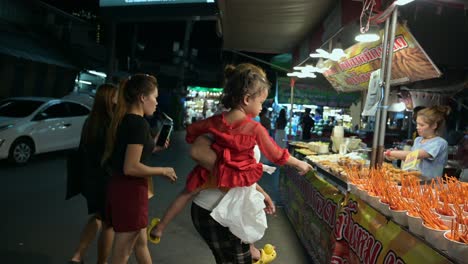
x=234, y=143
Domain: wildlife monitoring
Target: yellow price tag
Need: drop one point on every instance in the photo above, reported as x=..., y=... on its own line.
x=411, y=161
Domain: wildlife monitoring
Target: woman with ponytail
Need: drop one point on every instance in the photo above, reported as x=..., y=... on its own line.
x=95, y=179
x=129, y=146
x=433, y=149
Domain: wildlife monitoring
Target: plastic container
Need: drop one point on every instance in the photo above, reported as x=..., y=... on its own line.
x=374, y=201
x=415, y=224
x=400, y=217
x=456, y=250
x=435, y=237
x=384, y=208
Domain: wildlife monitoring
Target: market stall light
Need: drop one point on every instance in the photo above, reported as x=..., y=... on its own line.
x=371, y=35
x=403, y=2
x=301, y=74
x=367, y=37
x=322, y=52
x=101, y=74
x=85, y=82
x=336, y=54
x=319, y=63
x=309, y=68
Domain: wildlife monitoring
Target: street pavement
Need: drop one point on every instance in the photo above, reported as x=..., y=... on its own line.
x=41, y=227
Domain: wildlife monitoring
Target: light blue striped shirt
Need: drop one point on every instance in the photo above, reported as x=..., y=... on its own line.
x=437, y=148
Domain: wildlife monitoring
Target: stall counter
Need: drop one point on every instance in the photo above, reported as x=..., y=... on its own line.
x=336, y=226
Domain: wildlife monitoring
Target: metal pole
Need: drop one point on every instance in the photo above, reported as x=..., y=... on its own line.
x=292, y=105
x=383, y=62
x=383, y=121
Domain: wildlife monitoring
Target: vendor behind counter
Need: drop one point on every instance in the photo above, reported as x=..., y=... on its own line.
x=433, y=149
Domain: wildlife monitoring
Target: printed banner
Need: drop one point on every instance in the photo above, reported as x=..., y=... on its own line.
x=352, y=233
x=314, y=95
x=410, y=63
x=364, y=235
x=312, y=212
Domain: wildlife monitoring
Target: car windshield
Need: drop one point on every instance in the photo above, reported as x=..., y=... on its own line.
x=18, y=108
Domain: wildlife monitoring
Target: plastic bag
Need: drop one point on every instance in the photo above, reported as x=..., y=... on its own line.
x=241, y=210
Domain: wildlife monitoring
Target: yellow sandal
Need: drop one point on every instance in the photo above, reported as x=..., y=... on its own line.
x=153, y=224
x=267, y=254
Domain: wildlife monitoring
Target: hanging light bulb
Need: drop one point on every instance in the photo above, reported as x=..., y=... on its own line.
x=337, y=53
x=370, y=36
x=403, y=2
x=319, y=63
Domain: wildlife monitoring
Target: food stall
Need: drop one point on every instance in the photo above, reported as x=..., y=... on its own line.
x=320, y=97
x=350, y=209
x=340, y=219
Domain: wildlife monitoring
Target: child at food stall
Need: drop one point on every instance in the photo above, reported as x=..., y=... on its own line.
x=433, y=149
x=235, y=135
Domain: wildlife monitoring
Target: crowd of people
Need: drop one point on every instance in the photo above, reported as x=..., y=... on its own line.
x=118, y=143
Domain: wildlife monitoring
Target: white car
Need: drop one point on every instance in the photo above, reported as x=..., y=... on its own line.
x=33, y=125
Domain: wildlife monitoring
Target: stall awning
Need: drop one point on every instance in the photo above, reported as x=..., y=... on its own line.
x=270, y=26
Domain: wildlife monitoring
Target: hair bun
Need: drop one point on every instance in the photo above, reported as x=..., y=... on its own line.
x=229, y=71
x=444, y=109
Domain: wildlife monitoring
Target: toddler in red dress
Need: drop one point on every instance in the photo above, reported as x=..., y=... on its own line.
x=235, y=135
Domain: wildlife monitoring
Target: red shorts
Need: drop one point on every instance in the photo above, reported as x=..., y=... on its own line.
x=127, y=203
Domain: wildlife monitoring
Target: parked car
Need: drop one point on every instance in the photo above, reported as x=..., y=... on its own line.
x=33, y=125
x=83, y=98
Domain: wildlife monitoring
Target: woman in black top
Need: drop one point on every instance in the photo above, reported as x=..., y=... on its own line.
x=129, y=145
x=280, y=134
x=94, y=178
x=307, y=124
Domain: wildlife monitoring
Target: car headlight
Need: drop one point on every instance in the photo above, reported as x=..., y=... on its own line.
x=5, y=127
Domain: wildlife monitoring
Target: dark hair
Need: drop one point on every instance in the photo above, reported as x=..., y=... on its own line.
x=435, y=115
x=129, y=93
x=101, y=113
x=241, y=80
x=281, y=121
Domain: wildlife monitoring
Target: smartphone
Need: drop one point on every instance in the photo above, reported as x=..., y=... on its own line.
x=164, y=135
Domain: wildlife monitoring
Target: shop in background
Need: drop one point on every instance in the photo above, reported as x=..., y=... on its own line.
x=201, y=103
x=325, y=118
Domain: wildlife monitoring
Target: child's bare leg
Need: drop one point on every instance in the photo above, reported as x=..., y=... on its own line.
x=176, y=207
x=255, y=252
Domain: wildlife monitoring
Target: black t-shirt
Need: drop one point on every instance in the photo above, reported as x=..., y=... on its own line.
x=307, y=122
x=133, y=129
